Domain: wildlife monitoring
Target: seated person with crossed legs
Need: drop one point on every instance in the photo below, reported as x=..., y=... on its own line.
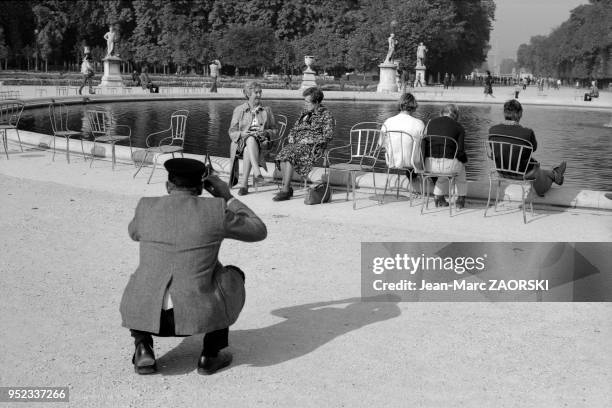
x=513, y=111
x=251, y=129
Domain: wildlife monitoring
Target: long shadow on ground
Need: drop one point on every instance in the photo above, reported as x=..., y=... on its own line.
x=305, y=328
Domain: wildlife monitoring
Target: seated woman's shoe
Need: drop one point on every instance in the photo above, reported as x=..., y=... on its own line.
x=460, y=203
x=144, y=359
x=283, y=196
x=259, y=180
x=439, y=201
x=243, y=191
x=210, y=365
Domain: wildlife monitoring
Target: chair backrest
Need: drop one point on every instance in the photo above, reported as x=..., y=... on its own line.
x=10, y=112
x=178, y=123
x=281, y=122
x=438, y=147
x=398, y=146
x=100, y=122
x=509, y=155
x=58, y=116
x=364, y=139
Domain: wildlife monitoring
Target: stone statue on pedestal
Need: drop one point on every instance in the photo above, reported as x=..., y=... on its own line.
x=392, y=43
x=421, y=51
x=111, y=40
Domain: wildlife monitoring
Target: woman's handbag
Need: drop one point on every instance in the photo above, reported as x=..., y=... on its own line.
x=318, y=194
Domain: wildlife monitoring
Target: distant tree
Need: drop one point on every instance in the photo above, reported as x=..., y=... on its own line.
x=507, y=65
x=248, y=47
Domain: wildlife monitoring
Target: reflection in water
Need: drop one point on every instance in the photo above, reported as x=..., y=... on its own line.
x=577, y=136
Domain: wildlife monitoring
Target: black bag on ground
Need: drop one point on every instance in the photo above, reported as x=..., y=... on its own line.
x=317, y=195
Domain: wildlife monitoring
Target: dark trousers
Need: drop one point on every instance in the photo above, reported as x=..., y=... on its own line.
x=213, y=341
x=87, y=79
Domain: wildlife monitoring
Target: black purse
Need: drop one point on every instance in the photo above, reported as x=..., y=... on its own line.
x=318, y=194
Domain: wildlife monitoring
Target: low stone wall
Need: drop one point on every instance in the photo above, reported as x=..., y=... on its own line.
x=557, y=196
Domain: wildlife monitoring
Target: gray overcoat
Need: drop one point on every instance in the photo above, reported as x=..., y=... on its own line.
x=180, y=236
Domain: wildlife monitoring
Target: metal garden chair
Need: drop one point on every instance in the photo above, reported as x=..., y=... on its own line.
x=103, y=128
x=509, y=159
x=172, y=144
x=362, y=152
x=58, y=116
x=10, y=113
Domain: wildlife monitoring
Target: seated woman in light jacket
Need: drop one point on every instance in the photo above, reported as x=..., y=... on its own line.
x=251, y=129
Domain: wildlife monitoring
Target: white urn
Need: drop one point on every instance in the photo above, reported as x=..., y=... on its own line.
x=309, y=60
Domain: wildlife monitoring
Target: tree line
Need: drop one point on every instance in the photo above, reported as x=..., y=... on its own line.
x=581, y=47
x=250, y=36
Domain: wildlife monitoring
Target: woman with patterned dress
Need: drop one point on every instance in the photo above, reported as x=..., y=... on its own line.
x=309, y=135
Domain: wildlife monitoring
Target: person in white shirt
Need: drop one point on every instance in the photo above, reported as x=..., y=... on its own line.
x=87, y=70
x=402, y=151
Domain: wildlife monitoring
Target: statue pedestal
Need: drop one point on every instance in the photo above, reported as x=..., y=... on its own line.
x=308, y=79
x=112, y=73
x=419, y=73
x=388, y=73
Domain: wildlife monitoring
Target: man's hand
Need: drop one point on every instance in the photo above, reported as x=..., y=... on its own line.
x=217, y=187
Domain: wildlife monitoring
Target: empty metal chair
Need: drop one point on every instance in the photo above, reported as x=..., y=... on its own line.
x=58, y=116
x=362, y=153
x=10, y=113
x=509, y=159
x=103, y=128
x=171, y=144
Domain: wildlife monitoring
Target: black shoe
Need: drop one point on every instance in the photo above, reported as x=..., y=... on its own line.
x=558, y=173
x=283, y=196
x=460, y=203
x=144, y=359
x=439, y=201
x=210, y=365
x=259, y=180
x=243, y=191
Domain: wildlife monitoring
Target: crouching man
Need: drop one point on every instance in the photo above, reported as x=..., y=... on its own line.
x=180, y=288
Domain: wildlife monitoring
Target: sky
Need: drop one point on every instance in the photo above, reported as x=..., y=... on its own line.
x=516, y=21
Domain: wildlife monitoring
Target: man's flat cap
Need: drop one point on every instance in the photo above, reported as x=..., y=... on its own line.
x=185, y=172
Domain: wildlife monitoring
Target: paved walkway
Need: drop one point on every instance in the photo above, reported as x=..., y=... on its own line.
x=304, y=338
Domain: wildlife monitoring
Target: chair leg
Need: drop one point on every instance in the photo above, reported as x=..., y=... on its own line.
x=409, y=186
x=68, y=149
x=451, y=195
x=155, y=157
x=425, y=189
x=53, y=139
x=18, y=138
x=5, y=144
x=83, y=150
x=141, y=163
x=386, y=184
x=497, y=193
x=374, y=183
x=523, y=201
x=348, y=184
x=113, y=158
x=353, y=176
x=93, y=153
x=489, y=196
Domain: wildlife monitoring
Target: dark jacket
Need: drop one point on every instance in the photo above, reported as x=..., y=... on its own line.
x=445, y=126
